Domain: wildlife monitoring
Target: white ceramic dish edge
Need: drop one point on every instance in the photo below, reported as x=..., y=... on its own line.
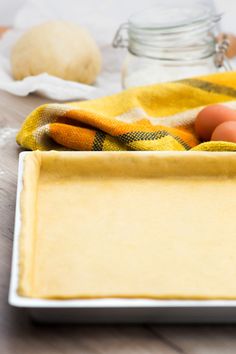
x=18, y=301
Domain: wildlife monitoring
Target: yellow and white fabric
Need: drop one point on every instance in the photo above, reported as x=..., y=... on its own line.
x=156, y=117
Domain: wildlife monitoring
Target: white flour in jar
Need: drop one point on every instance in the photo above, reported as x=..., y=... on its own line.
x=152, y=73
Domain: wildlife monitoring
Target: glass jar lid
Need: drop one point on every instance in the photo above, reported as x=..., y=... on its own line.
x=171, y=18
x=174, y=30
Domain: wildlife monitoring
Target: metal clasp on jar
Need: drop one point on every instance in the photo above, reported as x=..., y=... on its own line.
x=121, y=37
x=221, y=59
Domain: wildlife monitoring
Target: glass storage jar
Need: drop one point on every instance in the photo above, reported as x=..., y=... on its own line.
x=167, y=43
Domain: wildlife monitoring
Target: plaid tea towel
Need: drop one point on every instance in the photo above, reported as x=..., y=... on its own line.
x=156, y=117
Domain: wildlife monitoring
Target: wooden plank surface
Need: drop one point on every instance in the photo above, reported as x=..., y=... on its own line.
x=19, y=336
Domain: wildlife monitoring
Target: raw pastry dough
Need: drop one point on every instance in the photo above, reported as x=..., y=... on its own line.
x=58, y=48
x=155, y=225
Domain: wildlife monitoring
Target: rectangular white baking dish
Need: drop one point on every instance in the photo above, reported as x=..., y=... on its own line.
x=114, y=310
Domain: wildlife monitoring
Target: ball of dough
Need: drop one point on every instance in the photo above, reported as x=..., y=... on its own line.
x=58, y=48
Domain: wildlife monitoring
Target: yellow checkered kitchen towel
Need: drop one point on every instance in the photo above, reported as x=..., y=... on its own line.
x=157, y=117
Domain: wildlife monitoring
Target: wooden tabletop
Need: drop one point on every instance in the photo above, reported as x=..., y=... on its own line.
x=18, y=335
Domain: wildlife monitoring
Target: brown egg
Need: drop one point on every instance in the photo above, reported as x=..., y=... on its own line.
x=210, y=117
x=225, y=132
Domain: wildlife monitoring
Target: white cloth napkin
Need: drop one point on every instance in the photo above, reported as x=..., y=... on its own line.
x=44, y=84
x=102, y=28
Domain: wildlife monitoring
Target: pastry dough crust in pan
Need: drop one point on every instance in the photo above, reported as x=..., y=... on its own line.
x=132, y=225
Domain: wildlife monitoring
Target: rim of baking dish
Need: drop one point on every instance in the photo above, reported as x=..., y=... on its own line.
x=16, y=300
